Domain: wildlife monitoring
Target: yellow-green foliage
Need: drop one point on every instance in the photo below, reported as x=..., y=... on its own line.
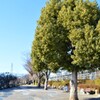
x=81, y=81
x=90, y=82
x=65, y=82
x=58, y=84
x=97, y=82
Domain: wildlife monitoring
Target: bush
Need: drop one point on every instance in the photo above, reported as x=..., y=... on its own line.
x=58, y=84
x=97, y=81
x=7, y=80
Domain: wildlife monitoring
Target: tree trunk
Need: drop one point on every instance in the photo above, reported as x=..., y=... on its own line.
x=73, y=86
x=47, y=73
x=39, y=83
x=46, y=81
x=31, y=78
x=39, y=80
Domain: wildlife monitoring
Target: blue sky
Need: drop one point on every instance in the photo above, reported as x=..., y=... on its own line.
x=18, y=20
x=17, y=26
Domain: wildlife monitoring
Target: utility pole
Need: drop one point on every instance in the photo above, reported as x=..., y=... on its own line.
x=11, y=68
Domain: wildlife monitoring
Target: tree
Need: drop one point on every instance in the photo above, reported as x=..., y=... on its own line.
x=68, y=36
x=80, y=18
x=44, y=44
x=28, y=67
x=33, y=71
x=39, y=66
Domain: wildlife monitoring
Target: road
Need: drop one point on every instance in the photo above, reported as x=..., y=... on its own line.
x=34, y=93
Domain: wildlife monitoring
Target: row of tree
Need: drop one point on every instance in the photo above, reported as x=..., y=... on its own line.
x=8, y=80
x=68, y=36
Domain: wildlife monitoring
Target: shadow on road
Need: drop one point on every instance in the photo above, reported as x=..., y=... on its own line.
x=93, y=99
x=20, y=88
x=29, y=87
x=5, y=93
x=9, y=91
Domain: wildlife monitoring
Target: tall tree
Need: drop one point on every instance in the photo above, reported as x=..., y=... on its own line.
x=45, y=46
x=68, y=35
x=80, y=18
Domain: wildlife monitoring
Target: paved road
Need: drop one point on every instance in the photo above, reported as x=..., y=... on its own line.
x=33, y=93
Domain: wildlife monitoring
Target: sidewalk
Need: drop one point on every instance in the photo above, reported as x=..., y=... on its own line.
x=34, y=93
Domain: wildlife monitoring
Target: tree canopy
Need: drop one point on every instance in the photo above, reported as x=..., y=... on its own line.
x=80, y=18
x=49, y=38
x=68, y=35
